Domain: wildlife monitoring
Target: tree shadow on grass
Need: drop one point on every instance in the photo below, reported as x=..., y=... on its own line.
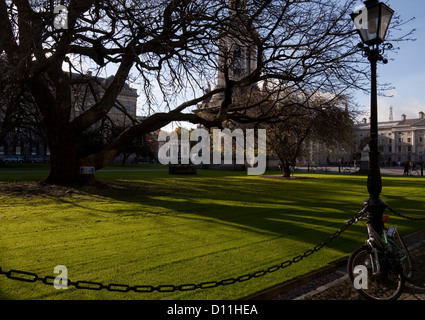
x=250, y=206
x=304, y=210
x=310, y=216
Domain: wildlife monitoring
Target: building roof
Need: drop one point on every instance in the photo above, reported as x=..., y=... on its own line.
x=409, y=122
x=101, y=82
x=402, y=124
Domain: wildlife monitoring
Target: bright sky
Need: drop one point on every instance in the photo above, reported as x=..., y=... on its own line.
x=406, y=72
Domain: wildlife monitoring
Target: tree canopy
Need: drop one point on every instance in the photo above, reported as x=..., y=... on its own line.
x=169, y=48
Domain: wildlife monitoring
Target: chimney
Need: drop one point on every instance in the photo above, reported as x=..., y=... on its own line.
x=421, y=115
x=403, y=117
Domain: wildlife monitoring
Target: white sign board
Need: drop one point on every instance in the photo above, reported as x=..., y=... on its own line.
x=86, y=170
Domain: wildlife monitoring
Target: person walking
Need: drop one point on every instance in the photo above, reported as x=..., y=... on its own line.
x=406, y=169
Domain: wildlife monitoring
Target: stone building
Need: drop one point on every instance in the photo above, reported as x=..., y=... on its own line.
x=318, y=154
x=236, y=51
x=237, y=58
x=28, y=141
x=398, y=141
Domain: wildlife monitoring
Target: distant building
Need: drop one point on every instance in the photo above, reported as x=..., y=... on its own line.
x=86, y=95
x=236, y=51
x=237, y=58
x=398, y=140
x=319, y=154
x=26, y=141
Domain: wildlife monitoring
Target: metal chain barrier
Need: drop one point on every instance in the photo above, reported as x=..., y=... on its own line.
x=404, y=216
x=90, y=285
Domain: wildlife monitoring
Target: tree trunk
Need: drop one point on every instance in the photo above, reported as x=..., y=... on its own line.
x=286, y=171
x=125, y=156
x=65, y=163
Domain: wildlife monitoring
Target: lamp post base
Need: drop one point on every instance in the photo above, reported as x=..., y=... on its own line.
x=376, y=208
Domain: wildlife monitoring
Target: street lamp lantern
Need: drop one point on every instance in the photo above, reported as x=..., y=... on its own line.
x=372, y=21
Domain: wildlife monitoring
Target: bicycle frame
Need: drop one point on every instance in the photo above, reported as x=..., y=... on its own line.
x=385, y=256
x=376, y=244
x=390, y=233
x=381, y=244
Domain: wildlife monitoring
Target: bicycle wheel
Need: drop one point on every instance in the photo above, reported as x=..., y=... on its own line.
x=399, y=249
x=387, y=286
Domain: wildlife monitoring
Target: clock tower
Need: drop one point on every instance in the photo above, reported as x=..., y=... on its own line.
x=237, y=54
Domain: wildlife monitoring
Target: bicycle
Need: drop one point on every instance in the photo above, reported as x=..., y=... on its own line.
x=413, y=172
x=383, y=264
x=350, y=170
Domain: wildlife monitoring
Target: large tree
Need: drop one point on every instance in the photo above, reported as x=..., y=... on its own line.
x=319, y=120
x=169, y=46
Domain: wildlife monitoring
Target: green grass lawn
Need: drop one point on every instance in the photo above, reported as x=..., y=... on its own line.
x=150, y=228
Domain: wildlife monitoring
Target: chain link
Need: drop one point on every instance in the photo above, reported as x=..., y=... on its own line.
x=89, y=285
x=404, y=216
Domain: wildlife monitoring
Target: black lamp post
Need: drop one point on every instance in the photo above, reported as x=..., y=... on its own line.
x=372, y=23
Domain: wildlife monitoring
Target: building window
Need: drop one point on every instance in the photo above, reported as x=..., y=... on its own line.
x=237, y=62
x=248, y=61
x=129, y=108
x=408, y=139
x=420, y=139
x=18, y=150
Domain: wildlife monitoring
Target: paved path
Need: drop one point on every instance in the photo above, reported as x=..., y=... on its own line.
x=397, y=171
x=337, y=286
